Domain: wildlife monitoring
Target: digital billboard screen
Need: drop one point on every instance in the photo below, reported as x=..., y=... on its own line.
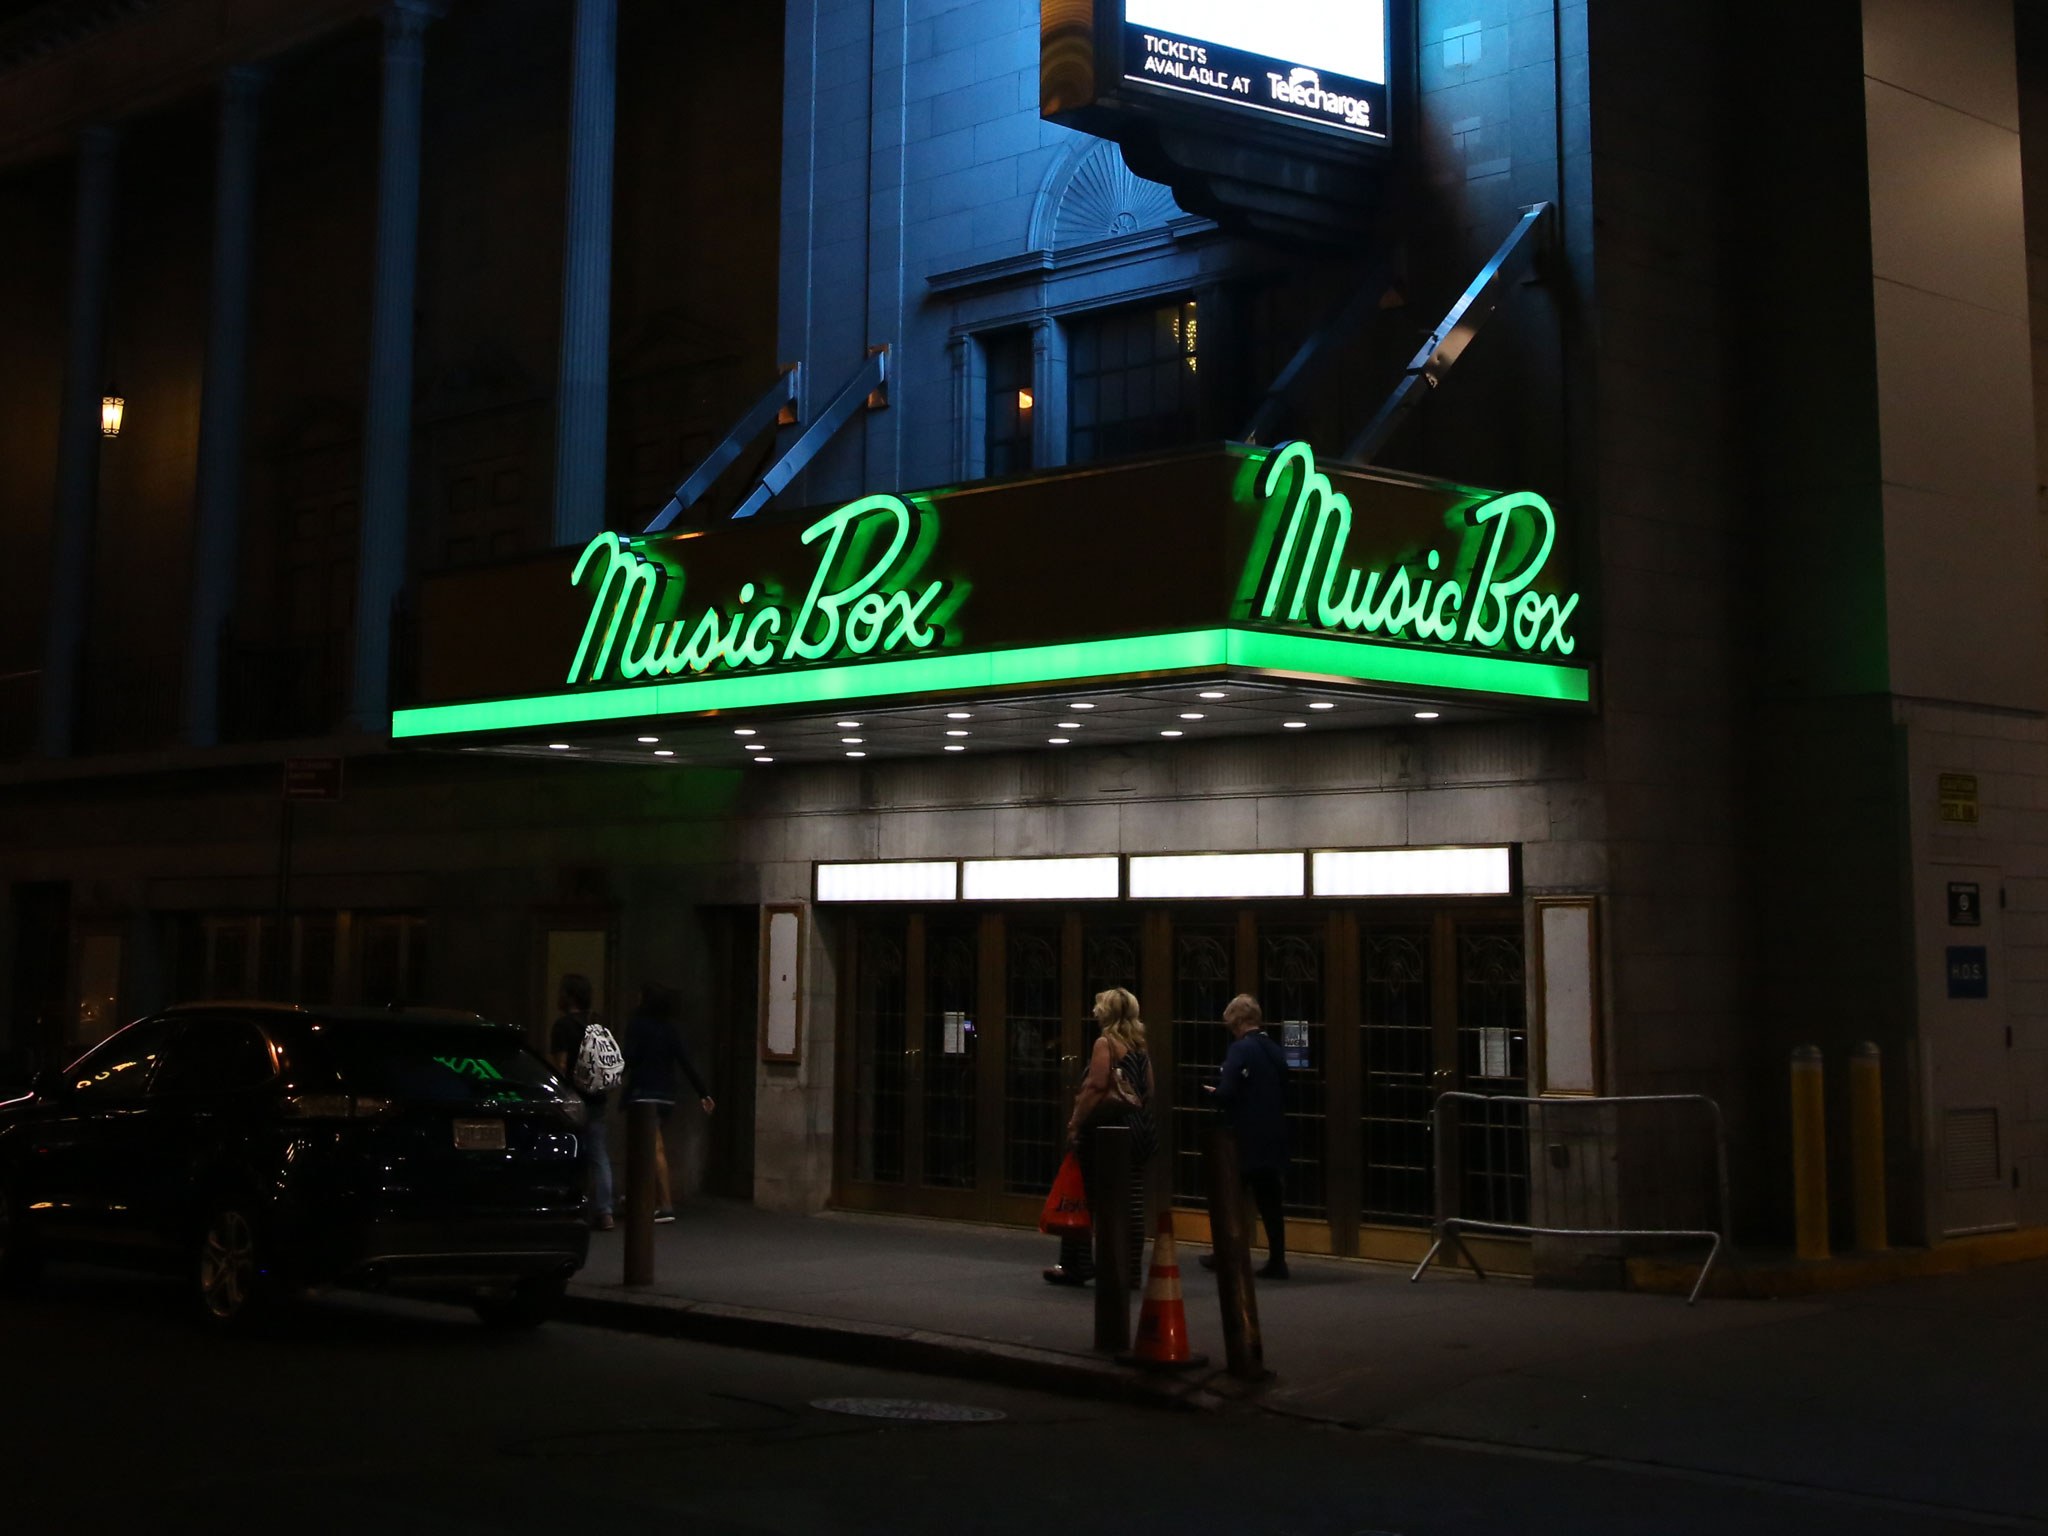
x=1312, y=61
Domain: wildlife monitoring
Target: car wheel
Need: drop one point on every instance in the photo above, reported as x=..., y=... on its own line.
x=232, y=1288
x=529, y=1304
x=20, y=1265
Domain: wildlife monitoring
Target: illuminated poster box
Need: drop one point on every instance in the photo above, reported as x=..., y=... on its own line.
x=1314, y=65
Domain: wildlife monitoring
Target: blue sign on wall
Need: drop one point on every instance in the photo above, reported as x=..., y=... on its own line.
x=1969, y=971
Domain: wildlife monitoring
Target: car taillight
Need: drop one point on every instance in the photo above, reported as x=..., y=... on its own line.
x=334, y=1106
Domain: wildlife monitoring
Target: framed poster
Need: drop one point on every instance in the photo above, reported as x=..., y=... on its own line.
x=782, y=981
x=1568, y=995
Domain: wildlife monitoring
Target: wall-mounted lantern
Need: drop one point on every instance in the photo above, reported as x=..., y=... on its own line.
x=112, y=406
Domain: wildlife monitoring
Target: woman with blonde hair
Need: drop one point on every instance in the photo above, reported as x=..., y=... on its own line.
x=1116, y=1090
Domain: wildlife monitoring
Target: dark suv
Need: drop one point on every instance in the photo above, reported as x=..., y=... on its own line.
x=265, y=1149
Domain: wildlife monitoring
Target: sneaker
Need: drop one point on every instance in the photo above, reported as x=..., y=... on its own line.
x=664, y=1215
x=1271, y=1270
x=604, y=1223
x=1059, y=1276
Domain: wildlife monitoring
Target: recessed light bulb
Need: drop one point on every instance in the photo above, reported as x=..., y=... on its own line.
x=856, y=754
x=1213, y=694
x=663, y=752
x=1057, y=741
x=742, y=731
x=958, y=714
x=1169, y=733
x=1192, y=716
x=558, y=746
x=1426, y=714
x=1322, y=704
x=956, y=733
x=648, y=741
x=760, y=759
x=954, y=746
x=847, y=725
x=755, y=746
x=1295, y=725
x=851, y=741
x=1070, y=725
x=1084, y=706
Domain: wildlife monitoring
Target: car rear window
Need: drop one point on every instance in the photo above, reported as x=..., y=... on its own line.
x=456, y=1065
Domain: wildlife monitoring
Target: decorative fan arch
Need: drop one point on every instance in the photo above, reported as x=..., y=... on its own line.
x=1093, y=196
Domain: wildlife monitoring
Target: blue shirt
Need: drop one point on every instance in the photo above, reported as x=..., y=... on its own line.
x=1251, y=1090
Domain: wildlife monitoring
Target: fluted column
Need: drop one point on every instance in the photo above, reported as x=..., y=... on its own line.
x=217, y=523
x=387, y=409
x=582, y=393
x=78, y=440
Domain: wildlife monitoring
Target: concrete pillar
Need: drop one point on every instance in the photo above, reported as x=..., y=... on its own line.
x=387, y=414
x=78, y=440
x=582, y=395
x=215, y=534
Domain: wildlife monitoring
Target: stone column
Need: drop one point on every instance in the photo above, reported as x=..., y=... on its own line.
x=78, y=440
x=216, y=526
x=582, y=395
x=387, y=410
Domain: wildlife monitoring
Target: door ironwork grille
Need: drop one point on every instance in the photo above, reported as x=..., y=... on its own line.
x=951, y=1099
x=1291, y=994
x=1397, y=1056
x=1202, y=984
x=880, y=1038
x=1493, y=1058
x=1033, y=1093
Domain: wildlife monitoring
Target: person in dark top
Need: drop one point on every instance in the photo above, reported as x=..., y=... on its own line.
x=655, y=1054
x=565, y=1044
x=1116, y=1090
x=1251, y=1090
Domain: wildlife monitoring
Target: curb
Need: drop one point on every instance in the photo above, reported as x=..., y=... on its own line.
x=884, y=1346
x=1765, y=1280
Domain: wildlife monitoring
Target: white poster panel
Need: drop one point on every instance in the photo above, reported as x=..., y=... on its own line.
x=1569, y=1027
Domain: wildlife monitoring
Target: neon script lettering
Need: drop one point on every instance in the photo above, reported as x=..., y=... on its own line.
x=1485, y=598
x=861, y=600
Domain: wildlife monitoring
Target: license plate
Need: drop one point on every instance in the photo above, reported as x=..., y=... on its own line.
x=480, y=1135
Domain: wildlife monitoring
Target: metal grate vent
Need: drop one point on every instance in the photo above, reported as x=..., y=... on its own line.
x=1970, y=1147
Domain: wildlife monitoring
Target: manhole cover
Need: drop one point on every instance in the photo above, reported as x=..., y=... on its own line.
x=907, y=1408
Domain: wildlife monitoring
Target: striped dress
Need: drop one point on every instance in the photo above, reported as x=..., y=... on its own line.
x=1077, y=1249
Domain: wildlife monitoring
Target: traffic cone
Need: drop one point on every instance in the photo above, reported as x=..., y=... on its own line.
x=1162, y=1342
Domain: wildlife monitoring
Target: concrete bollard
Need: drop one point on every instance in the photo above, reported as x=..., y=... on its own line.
x=1866, y=1146
x=642, y=1126
x=1244, y=1347
x=1809, y=1154
x=1109, y=1207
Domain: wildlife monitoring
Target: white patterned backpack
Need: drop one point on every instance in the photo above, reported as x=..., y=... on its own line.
x=599, y=1066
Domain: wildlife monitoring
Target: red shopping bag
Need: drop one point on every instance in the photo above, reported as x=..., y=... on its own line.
x=1066, y=1208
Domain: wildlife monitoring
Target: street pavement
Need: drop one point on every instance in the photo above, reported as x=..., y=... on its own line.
x=367, y=1415
x=1921, y=1394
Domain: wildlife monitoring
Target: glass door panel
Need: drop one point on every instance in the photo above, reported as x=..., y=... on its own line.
x=880, y=1037
x=1034, y=1090
x=1397, y=1058
x=1291, y=995
x=1203, y=982
x=1493, y=1058
x=950, y=1100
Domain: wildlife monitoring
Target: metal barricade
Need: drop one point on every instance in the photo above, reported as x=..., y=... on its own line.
x=1628, y=1169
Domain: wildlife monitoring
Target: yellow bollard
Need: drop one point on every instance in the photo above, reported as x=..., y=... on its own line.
x=1809, y=1154
x=1866, y=1145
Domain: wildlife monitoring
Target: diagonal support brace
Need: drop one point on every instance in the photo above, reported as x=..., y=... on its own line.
x=778, y=405
x=868, y=388
x=1447, y=343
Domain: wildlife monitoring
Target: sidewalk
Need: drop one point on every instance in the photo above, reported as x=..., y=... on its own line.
x=1925, y=1391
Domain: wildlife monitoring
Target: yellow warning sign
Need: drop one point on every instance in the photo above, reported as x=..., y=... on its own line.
x=1959, y=798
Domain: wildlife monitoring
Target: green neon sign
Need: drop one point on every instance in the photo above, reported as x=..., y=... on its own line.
x=862, y=600
x=1482, y=597
x=1199, y=650
x=1456, y=593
